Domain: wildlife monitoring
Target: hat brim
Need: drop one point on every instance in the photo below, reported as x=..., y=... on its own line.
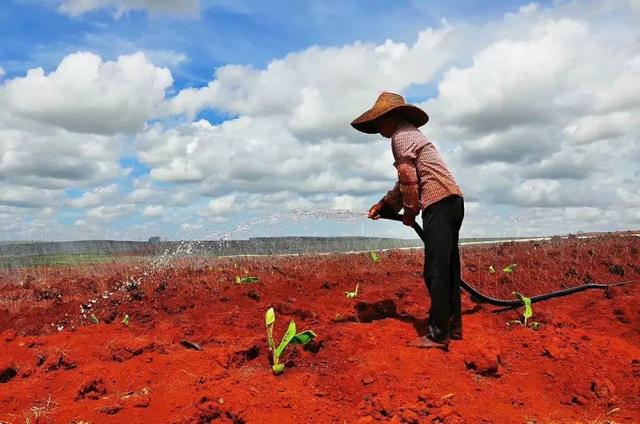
x=366, y=122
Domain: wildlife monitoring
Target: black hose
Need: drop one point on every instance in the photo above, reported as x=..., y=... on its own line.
x=509, y=303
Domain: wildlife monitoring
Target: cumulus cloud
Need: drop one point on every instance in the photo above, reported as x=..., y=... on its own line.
x=96, y=196
x=528, y=121
x=349, y=203
x=120, y=7
x=220, y=206
x=258, y=154
x=52, y=158
x=109, y=213
x=316, y=92
x=27, y=197
x=541, y=84
x=153, y=210
x=523, y=115
x=87, y=95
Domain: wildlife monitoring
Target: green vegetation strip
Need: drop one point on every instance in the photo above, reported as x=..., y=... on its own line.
x=63, y=259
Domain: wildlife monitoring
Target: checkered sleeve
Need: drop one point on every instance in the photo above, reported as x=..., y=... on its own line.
x=405, y=151
x=393, y=198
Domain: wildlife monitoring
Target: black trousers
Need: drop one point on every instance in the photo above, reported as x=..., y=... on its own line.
x=441, y=223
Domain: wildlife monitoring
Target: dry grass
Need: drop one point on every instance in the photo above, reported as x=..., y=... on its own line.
x=40, y=410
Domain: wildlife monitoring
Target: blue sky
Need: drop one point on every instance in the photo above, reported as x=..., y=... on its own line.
x=145, y=163
x=35, y=33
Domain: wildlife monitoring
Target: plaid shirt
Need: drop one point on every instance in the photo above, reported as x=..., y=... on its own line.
x=423, y=176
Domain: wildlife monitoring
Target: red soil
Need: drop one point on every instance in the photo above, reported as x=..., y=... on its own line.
x=582, y=365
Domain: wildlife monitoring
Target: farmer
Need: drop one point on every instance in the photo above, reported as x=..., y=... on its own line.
x=424, y=185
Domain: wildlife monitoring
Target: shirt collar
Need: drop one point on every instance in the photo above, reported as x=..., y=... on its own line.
x=404, y=126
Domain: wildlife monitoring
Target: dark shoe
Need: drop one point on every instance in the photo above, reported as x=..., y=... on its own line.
x=425, y=342
x=455, y=335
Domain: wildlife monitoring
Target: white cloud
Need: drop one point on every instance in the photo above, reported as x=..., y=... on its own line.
x=153, y=210
x=190, y=227
x=40, y=156
x=2, y=72
x=315, y=93
x=142, y=194
x=86, y=95
x=26, y=197
x=120, y=7
x=258, y=154
x=523, y=115
x=96, y=196
x=221, y=206
x=349, y=203
x=109, y=213
x=529, y=123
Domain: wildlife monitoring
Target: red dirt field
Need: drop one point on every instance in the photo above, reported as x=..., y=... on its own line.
x=581, y=366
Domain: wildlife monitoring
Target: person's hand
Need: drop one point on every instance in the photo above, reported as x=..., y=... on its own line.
x=408, y=218
x=374, y=212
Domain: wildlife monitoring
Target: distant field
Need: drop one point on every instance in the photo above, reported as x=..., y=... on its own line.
x=28, y=254
x=63, y=259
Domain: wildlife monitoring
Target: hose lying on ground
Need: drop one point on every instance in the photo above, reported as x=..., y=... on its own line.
x=508, y=303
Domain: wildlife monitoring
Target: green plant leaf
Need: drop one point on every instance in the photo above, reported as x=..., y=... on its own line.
x=509, y=268
x=125, y=320
x=351, y=295
x=270, y=317
x=304, y=337
x=286, y=339
x=94, y=319
x=375, y=256
x=290, y=337
x=528, y=312
x=245, y=280
x=491, y=269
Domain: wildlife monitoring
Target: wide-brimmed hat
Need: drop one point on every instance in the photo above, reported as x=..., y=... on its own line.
x=385, y=103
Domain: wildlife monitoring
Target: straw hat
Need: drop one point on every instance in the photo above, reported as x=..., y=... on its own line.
x=386, y=103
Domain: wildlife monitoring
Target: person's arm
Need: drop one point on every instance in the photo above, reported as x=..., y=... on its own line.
x=393, y=198
x=405, y=154
x=408, y=183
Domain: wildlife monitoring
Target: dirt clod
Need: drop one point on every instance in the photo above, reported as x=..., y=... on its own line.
x=603, y=388
x=93, y=389
x=484, y=362
x=241, y=357
x=59, y=361
x=367, y=380
x=368, y=312
x=254, y=295
x=111, y=409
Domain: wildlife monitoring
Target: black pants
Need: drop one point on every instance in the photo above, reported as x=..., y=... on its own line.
x=442, y=221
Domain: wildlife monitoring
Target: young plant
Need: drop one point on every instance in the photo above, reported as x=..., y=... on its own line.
x=351, y=295
x=290, y=337
x=125, y=320
x=375, y=256
x=247, y=279
x=509, y=268
x=526, y=314
x=94, y=319
x=491, y=269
